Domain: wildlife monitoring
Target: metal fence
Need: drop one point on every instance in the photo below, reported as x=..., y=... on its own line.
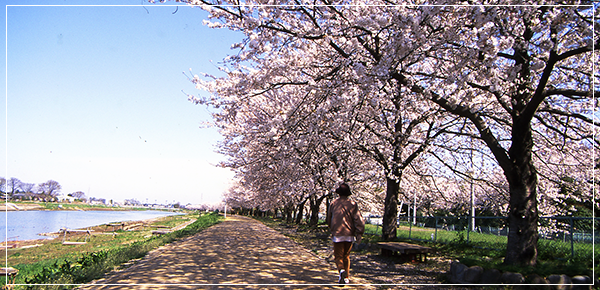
x=560, y=237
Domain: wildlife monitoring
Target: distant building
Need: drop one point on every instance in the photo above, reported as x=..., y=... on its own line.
x=65, y=198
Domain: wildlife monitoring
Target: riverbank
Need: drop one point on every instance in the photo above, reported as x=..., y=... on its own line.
x=32, y=205
x=26, y=225
x=9, y=206
x=95, y=238
x=77, y=263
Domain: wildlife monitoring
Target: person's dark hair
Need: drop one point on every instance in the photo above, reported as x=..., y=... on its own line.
x=343, y=190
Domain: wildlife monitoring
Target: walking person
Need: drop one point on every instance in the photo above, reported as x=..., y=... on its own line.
x=346, y=225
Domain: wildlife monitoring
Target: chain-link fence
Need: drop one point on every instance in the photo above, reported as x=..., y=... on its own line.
x=559, y=237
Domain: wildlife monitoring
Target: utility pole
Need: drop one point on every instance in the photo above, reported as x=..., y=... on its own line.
x=415, y=210
x=472, y=192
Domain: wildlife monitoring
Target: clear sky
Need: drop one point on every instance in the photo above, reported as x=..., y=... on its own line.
x=94, y=99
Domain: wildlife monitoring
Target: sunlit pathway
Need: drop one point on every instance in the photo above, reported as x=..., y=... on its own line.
x=237, y=251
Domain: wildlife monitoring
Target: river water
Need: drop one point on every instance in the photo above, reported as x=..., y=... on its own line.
x=27, y=225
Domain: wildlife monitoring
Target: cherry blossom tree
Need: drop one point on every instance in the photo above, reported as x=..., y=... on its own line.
x=384, y=135
x=279, y=147
x=512, y=76
x=516, y=75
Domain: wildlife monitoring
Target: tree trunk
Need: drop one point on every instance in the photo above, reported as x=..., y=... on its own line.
x=294, y=211
x=315, y=206
x=300, y=212
x=289, y=217
x=390, y=211
x=327, y=204
x=521, y=248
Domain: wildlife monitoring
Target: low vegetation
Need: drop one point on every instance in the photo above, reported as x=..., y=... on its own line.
x=488, y=251
x=64, y=266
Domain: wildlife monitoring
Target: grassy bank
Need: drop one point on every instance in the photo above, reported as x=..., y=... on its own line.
x=488, y=251
x=55, y=263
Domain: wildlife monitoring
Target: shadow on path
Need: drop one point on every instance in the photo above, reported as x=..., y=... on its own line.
x=237, y=251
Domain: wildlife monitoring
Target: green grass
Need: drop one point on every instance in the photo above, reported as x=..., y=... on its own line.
x=72, y=266
x=488, y=251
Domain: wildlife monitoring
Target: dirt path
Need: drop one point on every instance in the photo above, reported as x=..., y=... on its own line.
x=237, y=251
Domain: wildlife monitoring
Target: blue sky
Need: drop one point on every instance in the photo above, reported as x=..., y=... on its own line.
x=94, y=100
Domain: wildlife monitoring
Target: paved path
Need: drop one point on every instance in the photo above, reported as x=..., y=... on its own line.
x=237, y=251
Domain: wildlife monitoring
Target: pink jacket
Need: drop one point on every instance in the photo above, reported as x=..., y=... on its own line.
x=344, y=219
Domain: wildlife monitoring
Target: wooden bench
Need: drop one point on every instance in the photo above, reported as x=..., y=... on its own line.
x=160, y=226
x=406, y=251
x=88, y=233
x=11, y=274
x=116, y=226
x=161, y=232
x=9, y=245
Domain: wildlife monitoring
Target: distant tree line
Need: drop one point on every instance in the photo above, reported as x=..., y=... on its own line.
x=50, y=191
x=15, y=189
